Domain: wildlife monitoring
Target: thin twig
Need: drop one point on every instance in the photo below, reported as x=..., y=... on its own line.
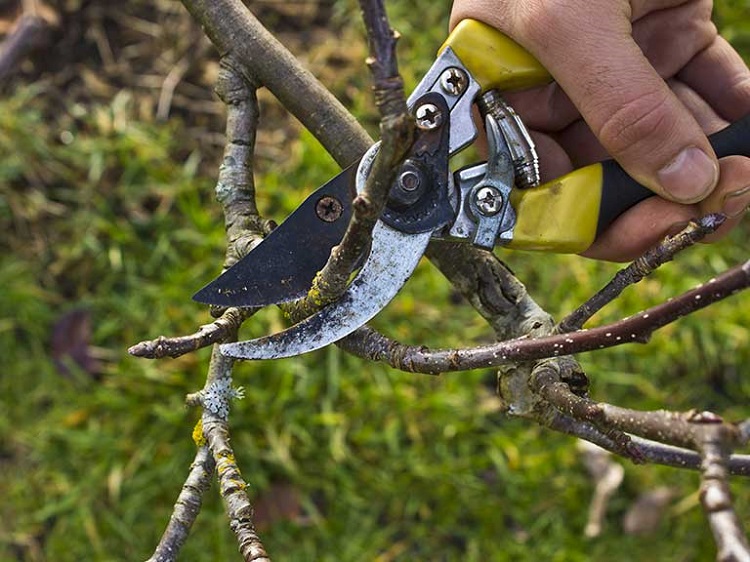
x=606, y=475
x=647, y=450
x=640, y=268
x=684, y=430
x=208, y=334
x=186, y=508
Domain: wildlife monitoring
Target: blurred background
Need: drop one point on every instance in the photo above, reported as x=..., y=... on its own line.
x=110, y=138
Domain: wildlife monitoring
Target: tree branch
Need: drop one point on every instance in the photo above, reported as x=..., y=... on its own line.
x=235, y=31
x=235, y=186
x=397, y=135
x=715, y=443
x=187, y=506
x=640, y=268
x=215, y=399
x=647, y=451
x=228, y=323
x=636, y=329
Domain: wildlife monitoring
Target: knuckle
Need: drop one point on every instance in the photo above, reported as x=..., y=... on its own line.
x=643, y=118
x=701, y=26
x=740, y=86
x=562, y=21
x=538, y=20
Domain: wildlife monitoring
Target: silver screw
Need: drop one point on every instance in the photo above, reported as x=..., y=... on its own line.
x=428, y=117
x=409, y=180
x=454, y=81
x=488, y=200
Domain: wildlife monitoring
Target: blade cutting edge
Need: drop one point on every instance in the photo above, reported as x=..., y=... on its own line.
x=393, y=258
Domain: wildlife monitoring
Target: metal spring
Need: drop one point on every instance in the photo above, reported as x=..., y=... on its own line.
x=521, y=146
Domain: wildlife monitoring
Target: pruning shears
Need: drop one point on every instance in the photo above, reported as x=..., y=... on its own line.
x=498, y=202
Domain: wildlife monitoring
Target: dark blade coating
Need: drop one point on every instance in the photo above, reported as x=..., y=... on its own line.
x=282, y=267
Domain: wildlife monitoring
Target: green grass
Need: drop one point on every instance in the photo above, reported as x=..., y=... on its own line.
x=121, y=222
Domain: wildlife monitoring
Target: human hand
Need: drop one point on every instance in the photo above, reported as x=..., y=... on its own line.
x=644, y=82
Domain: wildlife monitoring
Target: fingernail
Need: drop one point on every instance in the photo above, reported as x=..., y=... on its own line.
x=690, y=176
x=736, y=203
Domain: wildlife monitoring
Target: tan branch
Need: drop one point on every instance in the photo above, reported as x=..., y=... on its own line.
x=227, y=324
x=186, y=508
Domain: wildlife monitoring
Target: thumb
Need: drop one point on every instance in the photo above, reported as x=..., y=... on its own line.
x=628, y=106
x=638, y=119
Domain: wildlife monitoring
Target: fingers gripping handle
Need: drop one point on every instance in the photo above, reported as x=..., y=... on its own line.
x=493, y=59
x=620, y=191
x=568, y=213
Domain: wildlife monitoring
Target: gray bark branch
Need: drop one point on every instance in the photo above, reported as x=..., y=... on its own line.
x=235, y=31
x=715, y=443
x=186, y=508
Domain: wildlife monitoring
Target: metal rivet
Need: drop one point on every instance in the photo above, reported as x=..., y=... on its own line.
x=454, y=81
x=428, y=117
x=409, y=180
x=488, y=200
x=329, y=209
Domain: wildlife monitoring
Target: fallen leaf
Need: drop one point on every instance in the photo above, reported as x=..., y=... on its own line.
x=70, y=343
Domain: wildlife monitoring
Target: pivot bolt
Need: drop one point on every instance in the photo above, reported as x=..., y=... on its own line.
x=409, y=186
x=488, y=200
x=454, y=81
x=428, y=116
x=329, y=209
x=409, y=180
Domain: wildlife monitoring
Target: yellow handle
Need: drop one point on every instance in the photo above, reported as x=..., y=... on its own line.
x=494, y=60
x=559, y=216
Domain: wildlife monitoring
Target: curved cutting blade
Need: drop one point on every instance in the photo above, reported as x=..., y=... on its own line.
x=393, y=258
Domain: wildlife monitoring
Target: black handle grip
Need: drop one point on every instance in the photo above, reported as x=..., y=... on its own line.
x=620, y=192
